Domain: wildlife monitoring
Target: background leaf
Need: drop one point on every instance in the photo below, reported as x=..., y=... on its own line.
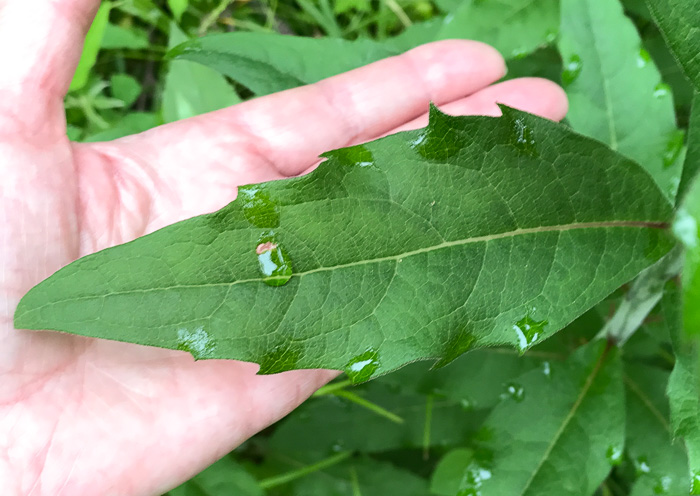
x=223, y=477
x=266, y=63
x=679, y=21
x=192, y=89
x=615, y=91
x=91, y=48
x=519, y=221
x=553, y=437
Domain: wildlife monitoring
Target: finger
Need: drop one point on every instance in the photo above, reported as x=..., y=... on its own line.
x=536, y=96
x=42, y=42
x=533, y=95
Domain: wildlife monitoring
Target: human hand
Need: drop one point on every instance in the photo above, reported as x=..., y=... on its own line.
x=83, y=416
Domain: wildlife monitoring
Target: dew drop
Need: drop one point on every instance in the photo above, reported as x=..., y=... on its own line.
x=466, y=404
x=273, y=262
x=362, y=367
x=524, y=136
x=663, y=485
x=614, y=455
x=643, y=58
x=519, y=53
x=528, y=331
x=547, y=370
x=641, y=465
x=662, y=90
x=258, y=207
x=473, y=479
x=197, y=342
x=551, y=36
x=514, y=391
x=674, y=147
x=695, y=483
x=572, y=69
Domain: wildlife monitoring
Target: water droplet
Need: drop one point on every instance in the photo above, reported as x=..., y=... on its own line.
x=338, y=446
x=695, y=483
x=440, y=140
x=663, y=485
x=459, y=344
x=273, y=262
x=642, y=466
x=524, y=136
x=519, y=53
x=466, y=403
x=547, y=369
x=362, y=367
x=472, y=480
x=643, y=58
x=572, y=69
x=258, y=207
x=197, y=342
x=662, y=90
x=281, y=358
x=614, y=455
x=674, y=147
x=528, y=331
x=551, y=36
x=685, y=228
x=514, y=391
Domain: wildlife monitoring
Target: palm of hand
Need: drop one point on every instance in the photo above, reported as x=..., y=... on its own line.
x=84, y=416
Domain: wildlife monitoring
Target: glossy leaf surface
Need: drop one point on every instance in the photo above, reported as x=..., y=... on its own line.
x=615, y=90
x=554, y=437
x=473, y=232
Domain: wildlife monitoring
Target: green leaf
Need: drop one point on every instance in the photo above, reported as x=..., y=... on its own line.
x=178, y=7
x=513, y=27
x=116, y=37
x=183, y=96
x=365, y=477
x=448, y=475
x=131, y=123
x=418, y=233
x=266, y=63
x=684, y=387
x=553, y=437
x=339, y=424
x=223, y=477
x=125, y=88
x=615, y=91
x=93, y=42
x=679, y=21
x=661, y=465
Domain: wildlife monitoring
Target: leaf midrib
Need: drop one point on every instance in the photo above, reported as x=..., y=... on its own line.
x=584, y=391
x=396, y=257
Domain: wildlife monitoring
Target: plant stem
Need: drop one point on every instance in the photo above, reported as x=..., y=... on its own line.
x=355, y=482
x=427, y=427
x=332, y=388
x=645, y=293
x=278, y=480
x=214, y=16
x=383, y=412
x=399, y=12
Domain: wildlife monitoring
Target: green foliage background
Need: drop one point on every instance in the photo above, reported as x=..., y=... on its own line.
x=492, y=422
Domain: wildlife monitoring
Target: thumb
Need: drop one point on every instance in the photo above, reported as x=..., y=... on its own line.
x=41, y=44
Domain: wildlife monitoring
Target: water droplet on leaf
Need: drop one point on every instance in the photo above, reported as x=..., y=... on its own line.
x=514, y=391
x=643, y=58
x=674, y=147
x=662, y=90
x=524, y=136
x=472, y=480
x=572, y=69
x=197, y=342
x=695, y=483
x=663, y=485
x=362, y=367
x=466, y=403
x=551, y=36
x=685, y=228
x=528, y=331
x=258, y=207
x=641, y=465
x=273, y=262
x=614, y=455
x=547, y=369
